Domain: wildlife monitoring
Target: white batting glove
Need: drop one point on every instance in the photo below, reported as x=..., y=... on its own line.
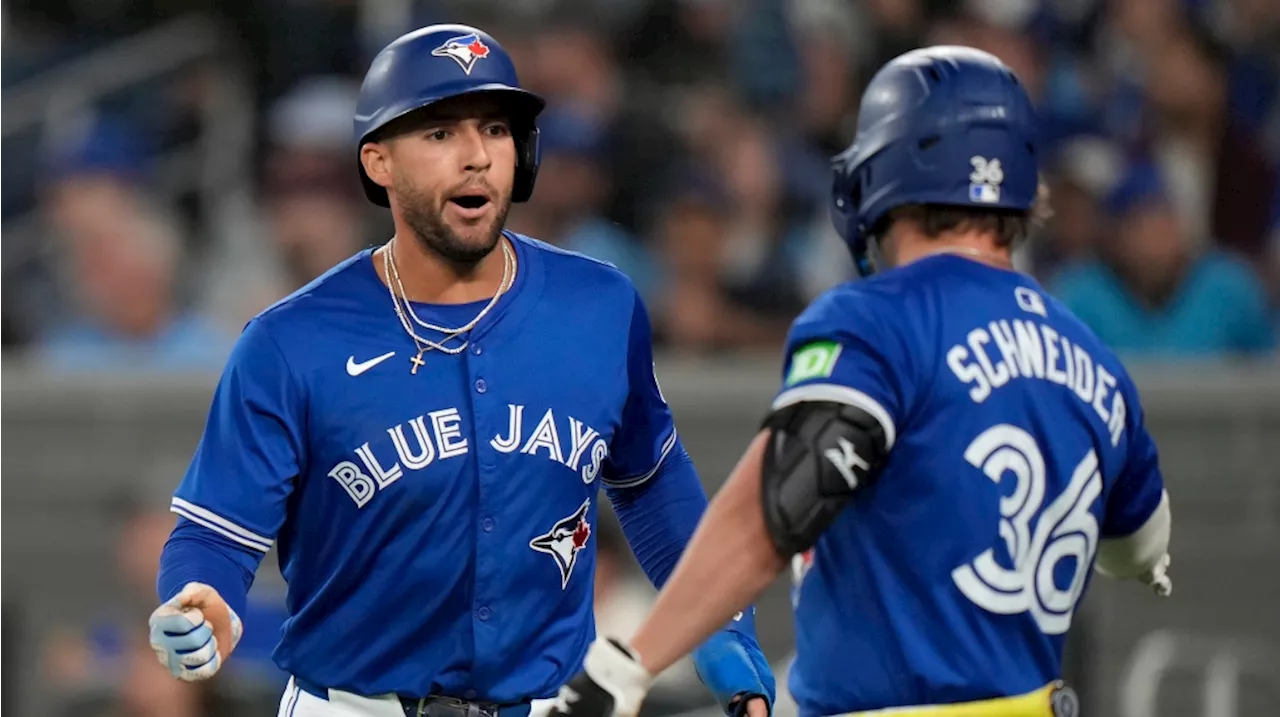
x=183, y=637
x=612, y=683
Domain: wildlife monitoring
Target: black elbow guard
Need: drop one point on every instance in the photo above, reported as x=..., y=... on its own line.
x=819, y=454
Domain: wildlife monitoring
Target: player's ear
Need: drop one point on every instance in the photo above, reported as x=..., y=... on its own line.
x=376, y=159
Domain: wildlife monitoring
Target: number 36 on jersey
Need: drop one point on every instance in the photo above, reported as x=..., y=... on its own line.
x=1038, y=538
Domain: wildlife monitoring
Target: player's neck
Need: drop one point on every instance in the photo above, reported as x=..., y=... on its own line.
x=431, y=279
x=976, y=246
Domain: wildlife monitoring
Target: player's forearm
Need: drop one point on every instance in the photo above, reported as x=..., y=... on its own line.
x=660, y=516
x=196, y=554
x=728, y=563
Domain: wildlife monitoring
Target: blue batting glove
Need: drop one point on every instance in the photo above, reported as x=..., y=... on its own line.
x=183, y=639
x=731, y=664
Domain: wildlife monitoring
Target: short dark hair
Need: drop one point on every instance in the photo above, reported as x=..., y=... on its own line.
x=1010, y=227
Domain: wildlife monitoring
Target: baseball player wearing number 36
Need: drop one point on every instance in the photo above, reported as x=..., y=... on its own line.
x=422, y=434
x=951, y=452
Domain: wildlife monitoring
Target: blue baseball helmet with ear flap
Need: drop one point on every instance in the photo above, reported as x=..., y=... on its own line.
x=436, y=63
x=942, y=125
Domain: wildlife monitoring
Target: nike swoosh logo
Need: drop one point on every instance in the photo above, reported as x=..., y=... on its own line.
x=355, y=369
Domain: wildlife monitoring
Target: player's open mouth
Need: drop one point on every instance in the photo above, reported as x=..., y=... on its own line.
x=470, y=206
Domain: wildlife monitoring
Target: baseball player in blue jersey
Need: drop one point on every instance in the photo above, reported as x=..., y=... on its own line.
x=950, y=454
x=422, y=433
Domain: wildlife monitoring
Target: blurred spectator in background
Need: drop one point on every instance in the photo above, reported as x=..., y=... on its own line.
x=119, y=258
x=1156, y=294
x=690, y=236
x=681, y=42
x=314, y=202
x=569, y=198
x=1220, y=180
x=730, y=279
x=700, y=309
x=1082, y=174
x=805, y=129
x=575, y=67
x=312, y=209
x=1191, y=108
x=896, y=26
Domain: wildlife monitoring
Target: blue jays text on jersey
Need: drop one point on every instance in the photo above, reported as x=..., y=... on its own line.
x=1017, y=443
x=435, y=528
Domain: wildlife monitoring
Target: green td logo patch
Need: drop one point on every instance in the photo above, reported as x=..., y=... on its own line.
x=815, y=360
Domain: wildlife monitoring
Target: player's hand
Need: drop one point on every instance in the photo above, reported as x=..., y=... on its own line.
x=1157, y=577
x=194, y=632
x=612, y=684
x=755, y=707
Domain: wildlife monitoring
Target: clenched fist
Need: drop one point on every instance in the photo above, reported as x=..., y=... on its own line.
x=194, y=632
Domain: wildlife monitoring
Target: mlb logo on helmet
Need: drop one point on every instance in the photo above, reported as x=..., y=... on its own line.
x=465, y=50
x=984, y=193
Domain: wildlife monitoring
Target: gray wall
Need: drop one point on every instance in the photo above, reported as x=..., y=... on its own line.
x=73, y=445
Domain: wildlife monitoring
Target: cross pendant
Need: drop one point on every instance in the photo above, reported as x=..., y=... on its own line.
x=416, y=361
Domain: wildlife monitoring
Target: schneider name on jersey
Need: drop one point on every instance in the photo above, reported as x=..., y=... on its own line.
x=1017, y=446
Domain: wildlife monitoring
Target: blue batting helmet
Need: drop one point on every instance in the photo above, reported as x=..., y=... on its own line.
x=435, y=63
x=940, y=125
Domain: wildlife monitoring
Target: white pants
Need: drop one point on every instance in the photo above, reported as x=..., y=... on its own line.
x=297, y=703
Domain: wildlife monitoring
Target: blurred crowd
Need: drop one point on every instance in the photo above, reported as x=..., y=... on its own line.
x=686, y=141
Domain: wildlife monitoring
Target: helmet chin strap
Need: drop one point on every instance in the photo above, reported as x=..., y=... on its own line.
x=875, y=255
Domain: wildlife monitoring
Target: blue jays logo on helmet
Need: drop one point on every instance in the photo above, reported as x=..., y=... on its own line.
x=466, y=50
x=943, y=125
x=568, y=536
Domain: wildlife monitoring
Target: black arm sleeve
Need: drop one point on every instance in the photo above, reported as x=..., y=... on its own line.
x=819, y=454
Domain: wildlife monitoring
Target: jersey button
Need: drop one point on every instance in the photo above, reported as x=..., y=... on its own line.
x=487, y=525
x=483, y=613
x=481, y=386
x=475, y=349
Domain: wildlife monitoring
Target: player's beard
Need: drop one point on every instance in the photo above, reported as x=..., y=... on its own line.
x=425, y=216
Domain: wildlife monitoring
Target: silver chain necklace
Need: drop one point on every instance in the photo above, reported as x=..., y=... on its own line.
x=422, y=344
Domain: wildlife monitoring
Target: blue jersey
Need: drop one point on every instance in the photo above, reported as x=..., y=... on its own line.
x=1017, y=442
x=435, y=528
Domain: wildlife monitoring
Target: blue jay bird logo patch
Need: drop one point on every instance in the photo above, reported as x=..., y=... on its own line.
x=801, y=564
x=466, y=50
x=564, y=540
